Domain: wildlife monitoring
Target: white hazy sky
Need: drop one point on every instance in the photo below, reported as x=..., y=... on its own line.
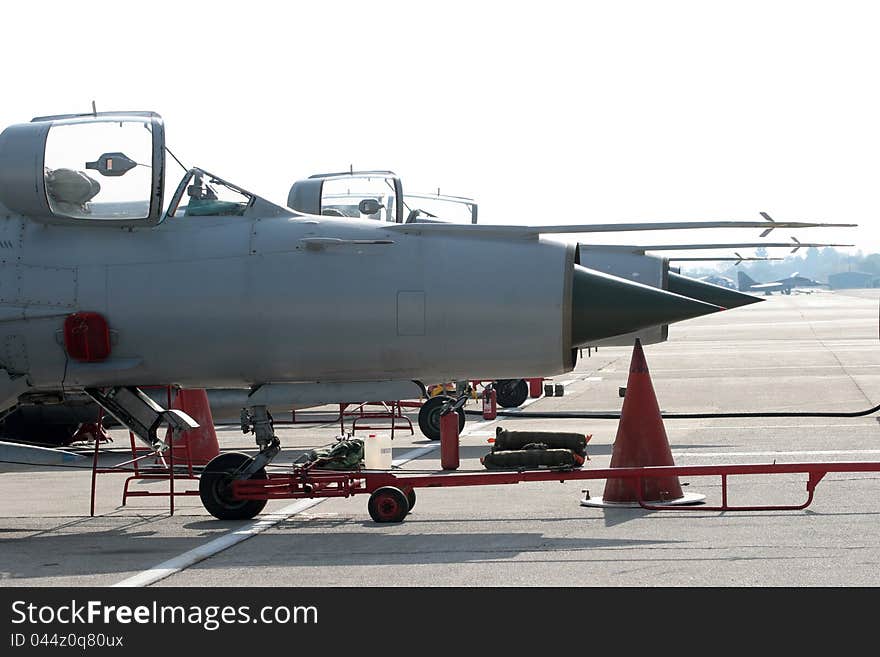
x=545, y=112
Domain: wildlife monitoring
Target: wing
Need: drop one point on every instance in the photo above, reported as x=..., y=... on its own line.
x=526, y=232
x=690, y=247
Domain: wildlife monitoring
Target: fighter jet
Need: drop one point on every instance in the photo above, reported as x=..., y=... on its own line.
x=723, y=281
x=784, y=285
x=105, y=292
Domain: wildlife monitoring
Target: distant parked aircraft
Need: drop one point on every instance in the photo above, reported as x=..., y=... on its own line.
x=723, y=281
x=783, y=285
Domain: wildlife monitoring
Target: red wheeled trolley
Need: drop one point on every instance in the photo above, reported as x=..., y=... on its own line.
x=392, y=495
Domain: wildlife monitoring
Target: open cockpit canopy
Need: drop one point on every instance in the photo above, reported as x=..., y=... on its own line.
x=108, y=169
x=376, y=195
x=105, y=167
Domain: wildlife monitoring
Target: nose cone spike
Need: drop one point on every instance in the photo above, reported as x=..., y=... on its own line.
x=708, y=293
x=604, y=306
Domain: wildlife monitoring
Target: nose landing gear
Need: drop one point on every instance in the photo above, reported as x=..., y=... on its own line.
x=215, y=483
x=215, y=487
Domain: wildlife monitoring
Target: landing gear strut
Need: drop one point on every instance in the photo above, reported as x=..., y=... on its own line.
x=215, y=483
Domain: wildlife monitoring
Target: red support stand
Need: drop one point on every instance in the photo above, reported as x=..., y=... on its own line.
x=389, y=411
x=360, y=413
x=315, y=417
x=159, y=470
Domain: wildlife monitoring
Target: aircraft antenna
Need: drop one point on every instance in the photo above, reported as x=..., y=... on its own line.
x=175, y=159
x=94, y=109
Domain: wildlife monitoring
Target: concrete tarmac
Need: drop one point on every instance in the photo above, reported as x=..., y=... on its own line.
x=806, y=352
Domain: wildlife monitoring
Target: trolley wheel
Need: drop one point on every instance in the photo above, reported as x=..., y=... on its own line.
x=388, y=504
x=215, y=488
x=411, y=498
x=429, y=417
x=511, y=392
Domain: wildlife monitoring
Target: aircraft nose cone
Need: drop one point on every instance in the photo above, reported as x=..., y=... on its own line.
x=708, y=293
x=604, y=306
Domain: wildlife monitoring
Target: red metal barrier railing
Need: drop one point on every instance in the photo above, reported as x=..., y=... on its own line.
x=160, y=470
x=391, y=411
x=359, y=412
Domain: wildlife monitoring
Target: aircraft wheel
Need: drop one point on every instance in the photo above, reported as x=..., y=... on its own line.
x=511, y=392
x=215, y=488
x=411, y=498
x=388, y=504
x=429, y=417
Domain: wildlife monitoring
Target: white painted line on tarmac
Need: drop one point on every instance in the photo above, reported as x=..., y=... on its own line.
x=838, y=322
x=764, y=368
x=748, y=427
x=209, y=549
x=527, y=402
x=414, y=454
x=470, y=429
x=830, y=452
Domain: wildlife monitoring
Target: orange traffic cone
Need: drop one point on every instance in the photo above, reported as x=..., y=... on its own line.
x=641, y=441
x=203, y=445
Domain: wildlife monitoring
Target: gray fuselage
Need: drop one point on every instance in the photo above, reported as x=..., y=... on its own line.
x=242, y=300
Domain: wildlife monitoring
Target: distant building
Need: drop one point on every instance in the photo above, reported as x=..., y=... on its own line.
x=853, y=279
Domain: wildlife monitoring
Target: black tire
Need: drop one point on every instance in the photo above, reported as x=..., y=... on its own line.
x=411, y=498
x=429, y=417
x=388, y=504
x=215, y=488
x=511, y=392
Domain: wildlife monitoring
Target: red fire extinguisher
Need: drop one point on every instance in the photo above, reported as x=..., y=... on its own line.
x=490, y=403
x=449, y=459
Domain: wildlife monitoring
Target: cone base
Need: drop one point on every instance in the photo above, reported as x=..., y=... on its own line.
x=687, y=498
